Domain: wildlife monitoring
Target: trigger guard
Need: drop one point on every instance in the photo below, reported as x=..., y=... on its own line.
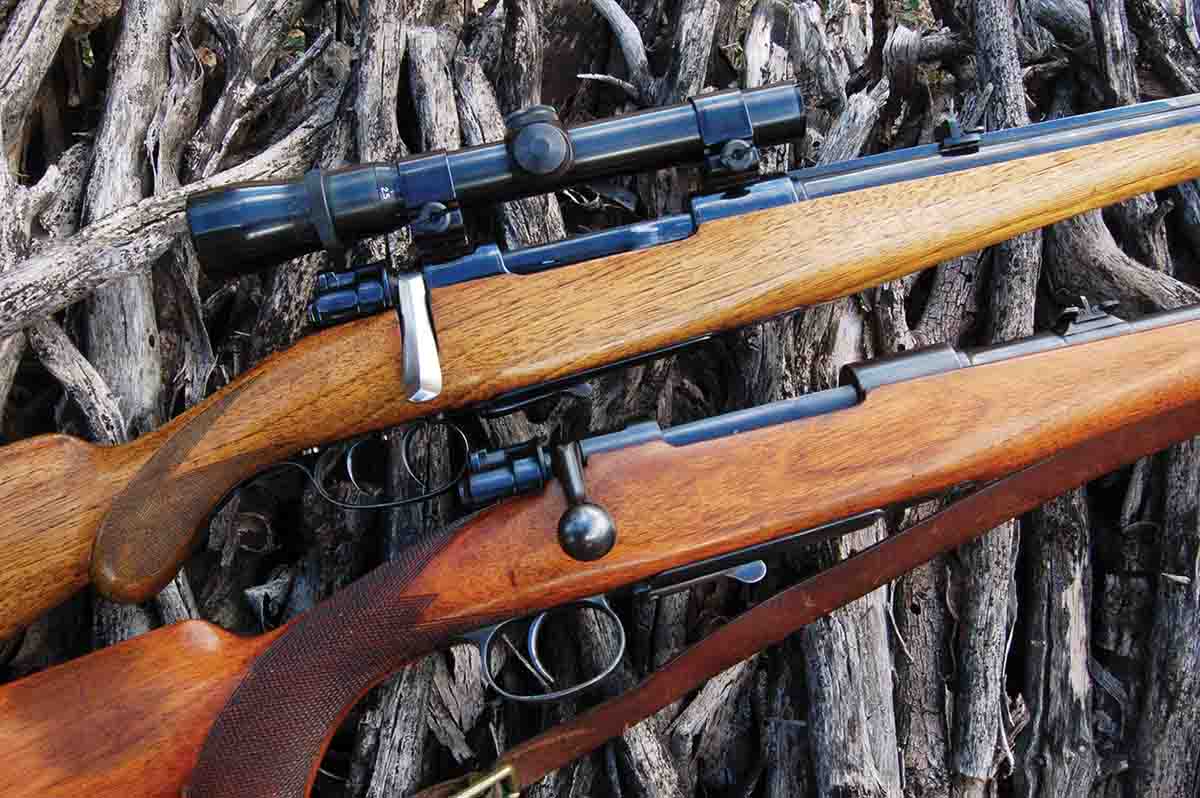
x=483, y=639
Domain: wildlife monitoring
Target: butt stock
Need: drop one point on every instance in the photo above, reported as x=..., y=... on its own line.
x=49, y=525
x=506, y=332
x=127, y=721
x=283, y=695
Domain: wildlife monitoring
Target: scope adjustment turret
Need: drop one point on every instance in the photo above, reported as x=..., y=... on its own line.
x=538, y=142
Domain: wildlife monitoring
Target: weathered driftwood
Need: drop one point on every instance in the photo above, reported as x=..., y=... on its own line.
x=122, y=330
x=249, y=44
x=1163, y=753
x=31, y=38
x=1138, y=219
x=130, y=240
x=1059, y=755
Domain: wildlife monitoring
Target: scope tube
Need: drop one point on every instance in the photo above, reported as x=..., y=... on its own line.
x=246, y=227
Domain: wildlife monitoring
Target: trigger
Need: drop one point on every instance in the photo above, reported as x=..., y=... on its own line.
x=531, y=648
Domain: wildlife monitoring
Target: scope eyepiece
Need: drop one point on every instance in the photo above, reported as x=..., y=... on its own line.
x=246, y=227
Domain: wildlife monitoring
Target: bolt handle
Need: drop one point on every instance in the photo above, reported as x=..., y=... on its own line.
x=586, y=531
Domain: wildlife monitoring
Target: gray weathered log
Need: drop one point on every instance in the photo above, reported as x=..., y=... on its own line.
x=402, y=718
x=1138, y=218
x=705, y=735
x=923, y=701
x=643, y=759
x=80, y=380
x=251, y=42
x=1085, y=260
x=49, y=202
x=128, y=241
x=821, y=74
x=121, y=328
x=432, y=88
x=1070, y=22
x=1164, y=752
x=848, y=667
x=31, y=39
x=520, y=66
x=1057, y=752
x=1015, y=263
x=784, y=758
x=1174, y=59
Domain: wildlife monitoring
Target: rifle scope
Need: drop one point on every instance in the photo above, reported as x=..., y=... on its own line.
x=248, y=226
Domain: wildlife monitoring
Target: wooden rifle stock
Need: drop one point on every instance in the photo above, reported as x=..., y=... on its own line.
x=269, y=705
x=144, y=504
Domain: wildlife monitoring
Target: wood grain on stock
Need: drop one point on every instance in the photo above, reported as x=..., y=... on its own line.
x=740, y=490
x=129, y=721
x=508, y=332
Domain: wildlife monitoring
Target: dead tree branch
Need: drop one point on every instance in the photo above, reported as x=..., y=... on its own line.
x=129, y=240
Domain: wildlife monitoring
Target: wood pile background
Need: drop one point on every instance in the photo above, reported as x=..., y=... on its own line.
x=1058, y=656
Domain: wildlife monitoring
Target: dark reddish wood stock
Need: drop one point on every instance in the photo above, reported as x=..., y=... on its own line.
x=144, y=503
x=782, y=614
x=739, y=490
x=128, y=721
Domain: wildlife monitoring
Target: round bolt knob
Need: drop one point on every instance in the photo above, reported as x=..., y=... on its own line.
x=586, y=531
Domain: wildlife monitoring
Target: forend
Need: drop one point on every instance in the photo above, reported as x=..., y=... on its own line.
x=249, y=226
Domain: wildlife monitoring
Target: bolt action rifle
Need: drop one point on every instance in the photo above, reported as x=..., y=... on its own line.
x=192, y=710
x=475, y=327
